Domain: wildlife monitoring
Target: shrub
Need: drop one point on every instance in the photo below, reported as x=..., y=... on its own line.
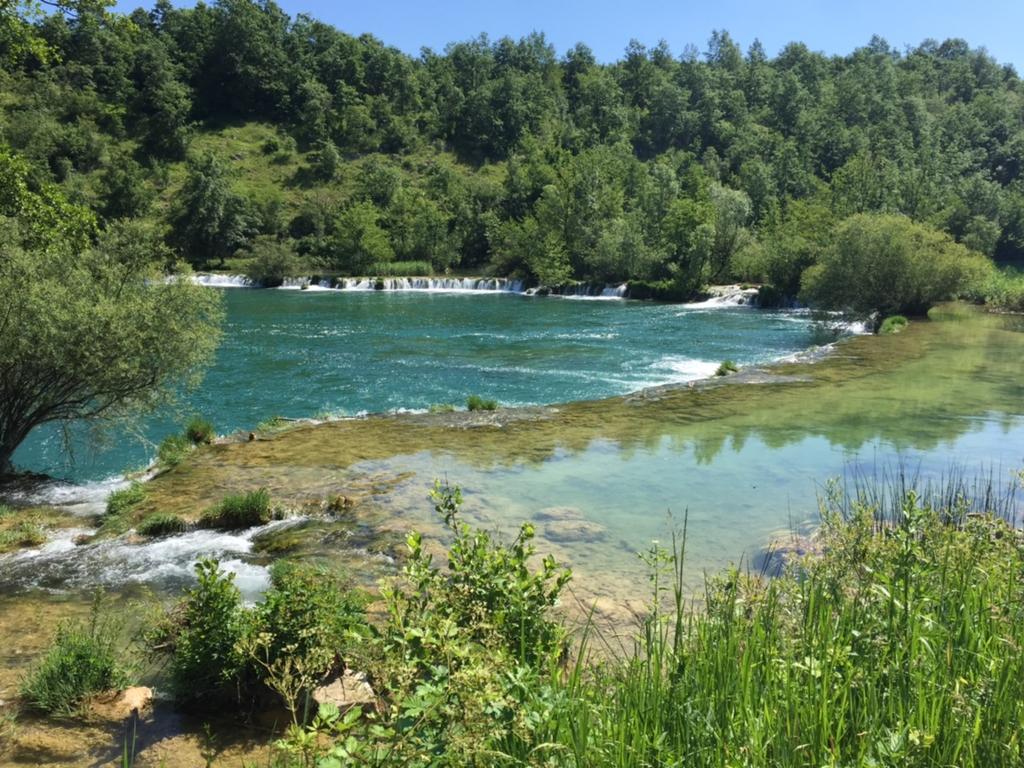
x=239, y=511
x=309, y=615
x=890, y=265
x=488, y=589
x=726, y=367
x=199, y=431
x=173, y=450
x=161, y=524
x=477, y=403
x=769, y=297
x=892, y=324
x=290, y=642
x=123, y=499
x=442, y=408
x=464, y=648
x=272, y=261
x=84, y=659
x=1002, y=289
x=202, y=635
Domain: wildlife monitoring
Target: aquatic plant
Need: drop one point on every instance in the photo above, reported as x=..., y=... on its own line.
x=85, y=658
x=239, y=510
x=478, y=403
x=726, y=367
x=22, y=534
x=161, y=524
x=124, y=499
x=199, y=431
x=172, y=450
x=274, y=424
x=892, y=324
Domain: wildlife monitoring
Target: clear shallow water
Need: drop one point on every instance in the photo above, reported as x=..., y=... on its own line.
x=304, y=353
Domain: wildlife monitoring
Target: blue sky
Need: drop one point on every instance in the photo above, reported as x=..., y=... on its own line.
x=833, y=26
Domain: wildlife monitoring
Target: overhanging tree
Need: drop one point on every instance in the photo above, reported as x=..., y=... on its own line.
x=89, y=329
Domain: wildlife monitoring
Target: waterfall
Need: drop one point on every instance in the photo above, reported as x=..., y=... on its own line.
x=723, y=296
x=425, y=284
x=223, y=281
x=436, y=284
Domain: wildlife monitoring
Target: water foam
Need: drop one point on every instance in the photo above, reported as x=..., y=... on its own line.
x=164, y=563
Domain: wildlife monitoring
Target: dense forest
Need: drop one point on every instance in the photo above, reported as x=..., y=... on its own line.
x=240, y=133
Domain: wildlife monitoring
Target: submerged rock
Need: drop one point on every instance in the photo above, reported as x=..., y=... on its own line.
x=350, y=690
x=574, y=531
x=559, y=513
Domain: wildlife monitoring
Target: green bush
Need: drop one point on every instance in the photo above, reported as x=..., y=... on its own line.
x=290, y=642
x=202, y=636
x=161, y=524
x=199, y=431
x=239, y=511
x=123, y=499
x=308, y=614
x=1002, y=289
x=272, y=261
x=477, y=403
x=769, y=297
x=891, y=265
x=84, y=659
x=442, y=408
x=726, y=367
x=173, y=450
x=402, y=269
x=892, y=324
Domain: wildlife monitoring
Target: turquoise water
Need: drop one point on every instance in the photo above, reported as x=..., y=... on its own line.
x=306, y=353
x=743, y=463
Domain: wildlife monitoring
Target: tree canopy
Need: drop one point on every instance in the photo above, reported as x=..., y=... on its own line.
x=502, y=155
x=89, y=328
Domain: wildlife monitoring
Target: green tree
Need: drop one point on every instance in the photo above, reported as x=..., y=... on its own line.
x=359, y=241
x=272, y=261
x=88, y=331
x=123, y=189
x=890, y=265
x=210, y=222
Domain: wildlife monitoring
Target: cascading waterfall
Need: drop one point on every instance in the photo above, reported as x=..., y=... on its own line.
x=439, y=284
x=224, y=281
x=426, y=284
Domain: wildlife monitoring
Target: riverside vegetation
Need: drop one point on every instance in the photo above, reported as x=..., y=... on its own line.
x=250, y=140
x=895, y=643
x=137, y=146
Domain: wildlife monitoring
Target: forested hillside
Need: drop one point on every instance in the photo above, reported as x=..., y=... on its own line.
x=243, y=133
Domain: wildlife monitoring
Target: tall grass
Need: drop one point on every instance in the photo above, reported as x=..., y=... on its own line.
x=1003, y=289
x=899, y=646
